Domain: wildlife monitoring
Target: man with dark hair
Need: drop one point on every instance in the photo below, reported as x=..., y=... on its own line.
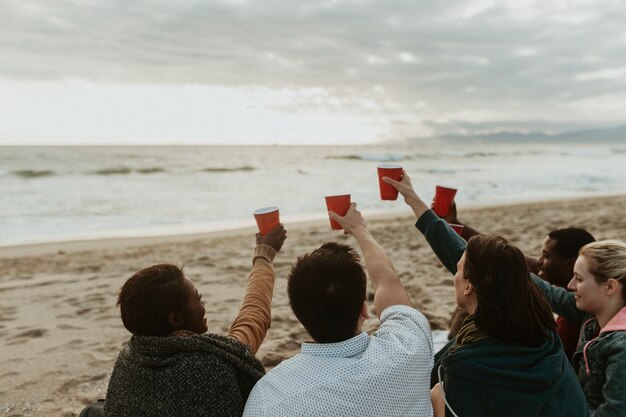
x=560, y=250
x=555, y=265
x=328, y=286
x=344, y=371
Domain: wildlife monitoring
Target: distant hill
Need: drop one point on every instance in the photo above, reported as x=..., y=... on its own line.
x=614, y=135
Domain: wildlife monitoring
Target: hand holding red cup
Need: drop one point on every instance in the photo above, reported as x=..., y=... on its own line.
x=393, y=171
x=340, y=205
x=443, y=200
x=267, y=218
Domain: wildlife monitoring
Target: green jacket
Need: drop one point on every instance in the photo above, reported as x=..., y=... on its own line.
x=493, y=378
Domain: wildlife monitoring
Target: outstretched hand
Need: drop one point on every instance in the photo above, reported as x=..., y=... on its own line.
x=411, y=198
x=451, y=218
x=275, y=238
x=351, y=221
x=403, y=186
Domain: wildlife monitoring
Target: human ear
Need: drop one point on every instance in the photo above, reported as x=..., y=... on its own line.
x=175, y=318
x=469, y=289
x=612, y=286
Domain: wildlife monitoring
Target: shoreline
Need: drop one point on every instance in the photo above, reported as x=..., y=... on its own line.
x=243, y=227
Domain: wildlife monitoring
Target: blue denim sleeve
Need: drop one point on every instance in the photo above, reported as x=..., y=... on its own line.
x=562, y=302
x=615, y=384
x=445, y=242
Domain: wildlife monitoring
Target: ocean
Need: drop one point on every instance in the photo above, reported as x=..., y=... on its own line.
x=69, y=193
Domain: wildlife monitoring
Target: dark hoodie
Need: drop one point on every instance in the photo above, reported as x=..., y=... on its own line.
x=491, y=378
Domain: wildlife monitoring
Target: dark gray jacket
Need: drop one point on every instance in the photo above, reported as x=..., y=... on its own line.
x=201, y=375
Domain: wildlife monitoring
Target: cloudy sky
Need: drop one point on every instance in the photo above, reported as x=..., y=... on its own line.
x=306, y=71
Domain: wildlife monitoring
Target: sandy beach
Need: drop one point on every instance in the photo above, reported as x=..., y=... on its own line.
x=60, y=329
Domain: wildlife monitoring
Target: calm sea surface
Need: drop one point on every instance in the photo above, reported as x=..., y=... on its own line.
x=62, y=193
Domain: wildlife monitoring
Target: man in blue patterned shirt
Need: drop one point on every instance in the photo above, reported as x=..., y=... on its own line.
x=344, y=371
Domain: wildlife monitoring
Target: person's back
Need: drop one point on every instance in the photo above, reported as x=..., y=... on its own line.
x=494, y=378
x=201, y=375
x=384, y=374
x=346, y=372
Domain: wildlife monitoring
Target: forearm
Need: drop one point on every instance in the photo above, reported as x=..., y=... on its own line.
x=561, y=301
x=255, y=314
x=445, y=242
x=416, y=204
x=388, y=289
x=468, y=232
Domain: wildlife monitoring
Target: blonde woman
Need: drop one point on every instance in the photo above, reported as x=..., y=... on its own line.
x=598, y=302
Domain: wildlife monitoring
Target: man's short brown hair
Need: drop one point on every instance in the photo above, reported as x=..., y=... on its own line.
x=327, y=290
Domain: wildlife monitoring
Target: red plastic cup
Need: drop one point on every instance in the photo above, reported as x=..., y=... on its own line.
x=393, y=171
x=458, y=228
x=340, y=205
x=266, y=219
x=443, y=200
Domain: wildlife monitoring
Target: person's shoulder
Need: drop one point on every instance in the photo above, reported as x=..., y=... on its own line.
x=284, y=371
x=398, y=313
x=405, y=326
x=273, y=388
x=614, y=342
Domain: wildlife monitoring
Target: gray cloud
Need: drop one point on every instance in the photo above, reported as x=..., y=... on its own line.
x=435, y=64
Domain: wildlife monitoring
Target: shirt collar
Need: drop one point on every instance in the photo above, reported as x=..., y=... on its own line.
x=346, y=349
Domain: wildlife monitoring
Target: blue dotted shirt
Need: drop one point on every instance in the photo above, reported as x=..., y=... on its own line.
x=386, y=374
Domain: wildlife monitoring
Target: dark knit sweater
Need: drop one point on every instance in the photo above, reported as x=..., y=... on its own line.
x=200, y=375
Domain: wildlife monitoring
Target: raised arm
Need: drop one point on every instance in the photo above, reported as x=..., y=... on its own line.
x=388, y=289
x=562, y=302
x=452, y=218
x=255, y=313
x=445, y=242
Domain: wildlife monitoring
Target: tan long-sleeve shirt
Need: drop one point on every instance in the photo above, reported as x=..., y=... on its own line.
x=255, y=313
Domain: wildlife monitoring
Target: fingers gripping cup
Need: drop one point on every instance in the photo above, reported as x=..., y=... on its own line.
x=443, y=199
x=266, y=219
x=458, y=228
x=340, y=205
x=393, y=171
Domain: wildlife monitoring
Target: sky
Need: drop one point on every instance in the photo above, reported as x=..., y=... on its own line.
x=306, y=72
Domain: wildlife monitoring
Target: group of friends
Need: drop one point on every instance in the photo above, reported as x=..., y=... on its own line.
x=507, y=355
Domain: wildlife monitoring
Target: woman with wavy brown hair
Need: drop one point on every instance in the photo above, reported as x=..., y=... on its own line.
x=507, y=359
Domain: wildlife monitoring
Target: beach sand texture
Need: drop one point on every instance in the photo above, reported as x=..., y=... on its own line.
x=60, y=330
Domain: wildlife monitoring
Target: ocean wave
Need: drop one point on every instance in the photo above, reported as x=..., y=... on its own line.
x=29, y=173
x=114, y=171
x=154, y=170
x=480, y=154
x=348, y=157
x=244, y=168
x=126, y=170
x=370, y=158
